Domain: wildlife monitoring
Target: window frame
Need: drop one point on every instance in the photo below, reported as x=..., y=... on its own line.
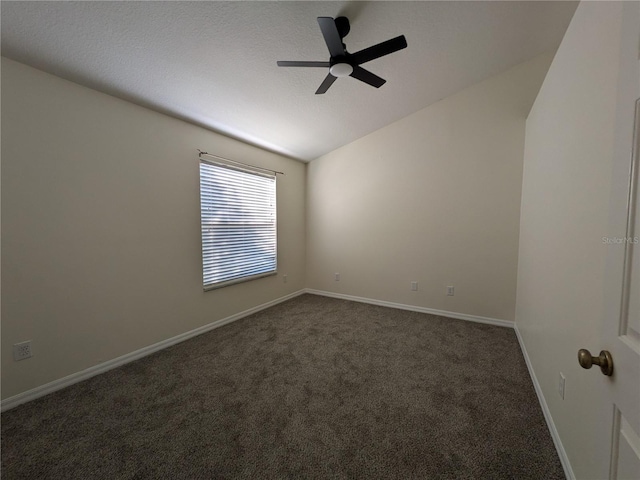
x=247, y=170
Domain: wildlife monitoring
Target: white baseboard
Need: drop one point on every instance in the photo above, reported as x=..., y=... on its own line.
x=413, y=308
x=50, y=387
x=566, y=465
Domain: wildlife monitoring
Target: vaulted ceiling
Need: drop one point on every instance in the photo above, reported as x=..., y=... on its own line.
x=214, y=63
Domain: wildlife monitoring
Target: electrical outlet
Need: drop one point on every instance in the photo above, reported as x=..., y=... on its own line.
x=414, y=286
x=22, y=350
x=284, y=278
x=336, y=277
x=450, y=291
x=561, y=382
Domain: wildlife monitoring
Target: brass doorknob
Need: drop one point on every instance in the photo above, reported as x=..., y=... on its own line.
x=604, y=361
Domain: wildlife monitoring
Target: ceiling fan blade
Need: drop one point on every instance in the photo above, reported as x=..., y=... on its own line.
x=326, y=83
x=379, y=50
x=331, y=36
x=303, y=64
x=367, y=77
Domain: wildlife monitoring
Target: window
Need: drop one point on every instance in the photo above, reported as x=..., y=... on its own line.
x=238, y=218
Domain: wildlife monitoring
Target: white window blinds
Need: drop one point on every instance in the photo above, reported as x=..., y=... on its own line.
x=238, y=217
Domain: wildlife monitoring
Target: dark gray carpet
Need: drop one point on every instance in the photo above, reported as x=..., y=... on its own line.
x=311, y=388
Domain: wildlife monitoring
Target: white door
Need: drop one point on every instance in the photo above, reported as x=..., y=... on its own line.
x=622, y=338
x=621, y=322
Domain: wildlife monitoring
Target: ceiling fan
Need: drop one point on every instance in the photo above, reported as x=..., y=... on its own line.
x=342, y=63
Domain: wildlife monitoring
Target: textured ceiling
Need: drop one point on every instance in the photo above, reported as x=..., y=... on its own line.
x=214, y=63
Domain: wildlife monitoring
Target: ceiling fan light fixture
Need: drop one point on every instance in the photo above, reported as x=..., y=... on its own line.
x=341, y=70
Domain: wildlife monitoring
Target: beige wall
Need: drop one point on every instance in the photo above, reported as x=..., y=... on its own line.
x=432, y=198
x=101, y=232
x=570, y=144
